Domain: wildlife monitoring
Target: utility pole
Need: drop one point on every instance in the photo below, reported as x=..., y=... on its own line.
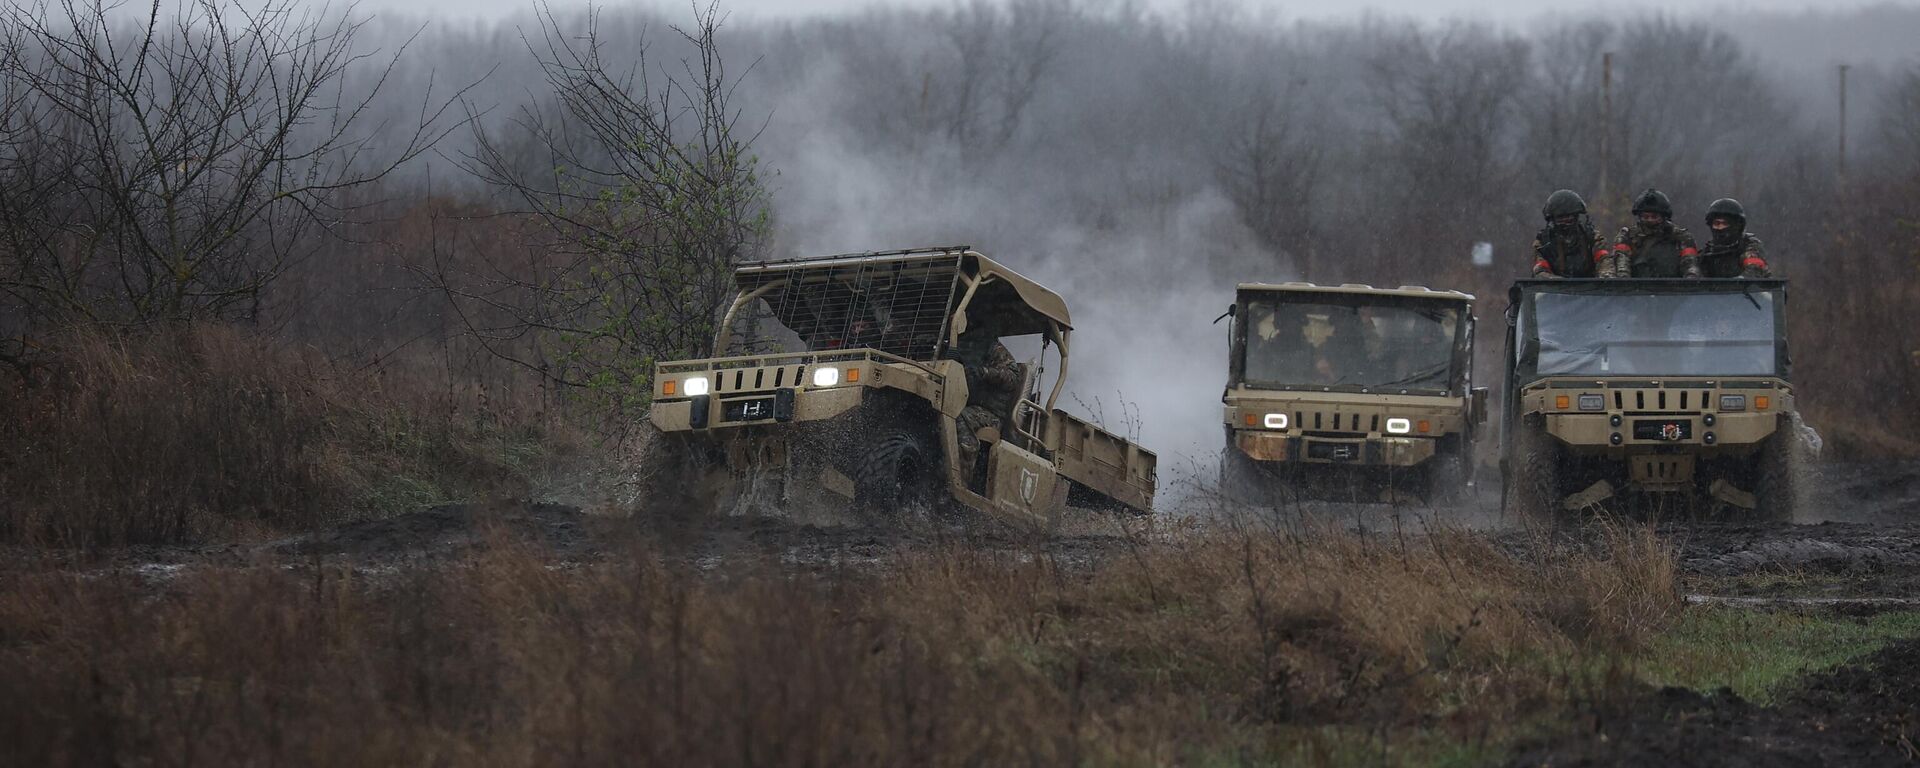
x=1843, y=123
x=1605, y=199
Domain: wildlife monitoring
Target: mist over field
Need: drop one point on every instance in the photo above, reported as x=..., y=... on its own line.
x=1143, y=159
x=362, y=392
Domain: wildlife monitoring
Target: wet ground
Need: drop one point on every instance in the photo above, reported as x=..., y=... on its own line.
x=1857, y=550
x=1864, y=713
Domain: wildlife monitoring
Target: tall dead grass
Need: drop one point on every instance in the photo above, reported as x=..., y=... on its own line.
x=213, y=431
x=1219, y=648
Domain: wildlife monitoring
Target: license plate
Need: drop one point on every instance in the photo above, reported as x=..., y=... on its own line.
x=748, y=410
x=1662, y=430
x=1333, y=451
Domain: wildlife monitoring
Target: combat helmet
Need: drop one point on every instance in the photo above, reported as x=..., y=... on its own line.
x=1563, y=202
x=1653, y=201
x=1729, y=208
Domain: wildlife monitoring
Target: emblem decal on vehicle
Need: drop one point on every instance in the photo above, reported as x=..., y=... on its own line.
x=1670, y=432
x=1029, y=480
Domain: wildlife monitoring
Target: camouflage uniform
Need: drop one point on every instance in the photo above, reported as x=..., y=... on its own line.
x=1575, y=251
x=1733, y=252
x=1739, y=258
x=993, y=384
x=1579, y=253
x=1663, y=250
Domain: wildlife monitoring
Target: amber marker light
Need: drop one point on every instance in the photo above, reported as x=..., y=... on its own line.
x=669, y=387
x=1562, y=402
x=853, y=374
x=1762, y=402
x=1249, y=419
x=1425, y=426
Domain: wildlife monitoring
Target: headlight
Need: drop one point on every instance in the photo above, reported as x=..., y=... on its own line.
x=695, y=386
x=826, y=377
x=1733, y=402
x=1593, y=403
x=1399, y=426
x=1276, y=421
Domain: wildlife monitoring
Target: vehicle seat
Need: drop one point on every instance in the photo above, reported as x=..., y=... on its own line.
x=1010, y=427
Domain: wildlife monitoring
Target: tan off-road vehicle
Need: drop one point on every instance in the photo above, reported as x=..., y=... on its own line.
x=853, y=398
x=1349, y=393
x=1674, y=388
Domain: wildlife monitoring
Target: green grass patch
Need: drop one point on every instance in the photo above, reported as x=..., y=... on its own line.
x=1759, y=653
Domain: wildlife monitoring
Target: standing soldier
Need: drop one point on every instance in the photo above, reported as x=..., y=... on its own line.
x=1653, y=246
x=1568, y=246
x=1732, y=251
x=993, y=386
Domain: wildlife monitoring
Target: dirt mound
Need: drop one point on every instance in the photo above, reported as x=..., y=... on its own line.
x=1862, y=714
x=446, y=531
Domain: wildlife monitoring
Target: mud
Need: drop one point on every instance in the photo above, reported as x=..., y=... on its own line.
x=1859, y=553
x=453, y=530
x=1867, y=713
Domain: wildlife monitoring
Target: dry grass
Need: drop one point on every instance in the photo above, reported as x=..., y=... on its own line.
x=1218, y=648
x=214, y=432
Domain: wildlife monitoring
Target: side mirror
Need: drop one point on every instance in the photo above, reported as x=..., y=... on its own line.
x=1232, y=310
x=1479, y=405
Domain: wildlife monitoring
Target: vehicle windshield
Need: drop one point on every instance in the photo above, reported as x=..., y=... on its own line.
x=1658, y=334
x=1351, y=343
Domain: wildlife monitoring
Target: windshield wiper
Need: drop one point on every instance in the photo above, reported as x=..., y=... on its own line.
x=1420, y=375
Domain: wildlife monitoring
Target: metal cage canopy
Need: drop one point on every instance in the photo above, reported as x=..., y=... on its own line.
x=898, y=302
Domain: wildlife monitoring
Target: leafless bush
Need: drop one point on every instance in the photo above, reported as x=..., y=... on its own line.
x=169, y=167
x=208, y=432
x=648, y=192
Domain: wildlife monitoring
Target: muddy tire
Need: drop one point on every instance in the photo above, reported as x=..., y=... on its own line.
x=1532, y=489
x=669, y=478
x=899, y=471
x=1243, y=481
x=1781, y=471
x=1447, y=475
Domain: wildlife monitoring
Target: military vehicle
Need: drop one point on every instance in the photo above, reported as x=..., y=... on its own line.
x=1350, y=392
x=852, y=395
x=1673, y=388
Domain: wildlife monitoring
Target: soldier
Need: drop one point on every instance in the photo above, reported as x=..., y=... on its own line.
x=1653, y=246
x=1732, y=251
x=993, y=384
x=1568, y=246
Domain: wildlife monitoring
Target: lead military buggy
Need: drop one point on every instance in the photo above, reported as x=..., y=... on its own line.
x=858, y=406
x=1670, y=389
x=1349, y=393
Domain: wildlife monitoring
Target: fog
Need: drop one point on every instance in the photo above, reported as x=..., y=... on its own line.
x=1142, y=158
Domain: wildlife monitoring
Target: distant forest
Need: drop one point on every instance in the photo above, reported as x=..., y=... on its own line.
x=1140, y=163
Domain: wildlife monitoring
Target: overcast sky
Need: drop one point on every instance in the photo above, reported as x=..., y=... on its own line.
x=1510, y=10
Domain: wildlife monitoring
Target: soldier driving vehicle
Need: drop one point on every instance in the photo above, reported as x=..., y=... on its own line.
x=1349, y=392
x=894, y=391
x=1731, y=251
x=1568, y=246
x=1672, y=388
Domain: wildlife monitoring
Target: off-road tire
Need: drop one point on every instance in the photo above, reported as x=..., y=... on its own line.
x=667, y=477
x=1780, y=471
x=1533, y=475
x=1243, y=481
x=1446, y=476
x=898, y=471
